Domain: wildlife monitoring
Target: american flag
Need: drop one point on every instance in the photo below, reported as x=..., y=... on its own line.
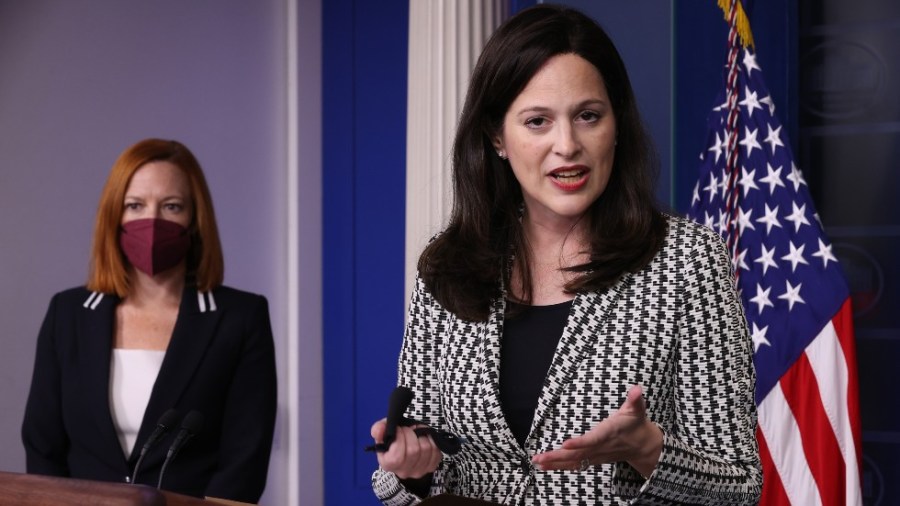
x=795, y=296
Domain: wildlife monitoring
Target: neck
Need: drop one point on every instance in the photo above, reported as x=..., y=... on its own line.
x=559, y=242
x=165, y=287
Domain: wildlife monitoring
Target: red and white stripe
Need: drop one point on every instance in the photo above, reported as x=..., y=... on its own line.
x=809, y=432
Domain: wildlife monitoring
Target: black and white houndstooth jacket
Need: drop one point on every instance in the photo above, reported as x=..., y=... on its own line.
x=676, y=328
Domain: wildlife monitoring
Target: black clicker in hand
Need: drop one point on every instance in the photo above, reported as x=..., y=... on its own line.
x=400, y=399
x=447, y=443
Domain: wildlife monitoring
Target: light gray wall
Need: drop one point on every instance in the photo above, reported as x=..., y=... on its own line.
x=82, y=80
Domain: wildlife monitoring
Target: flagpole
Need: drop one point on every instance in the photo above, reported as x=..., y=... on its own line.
x=731, y=164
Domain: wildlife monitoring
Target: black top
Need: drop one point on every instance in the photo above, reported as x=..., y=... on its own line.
x=528, y=344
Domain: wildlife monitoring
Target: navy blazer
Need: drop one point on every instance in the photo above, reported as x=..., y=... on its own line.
x=220, y=362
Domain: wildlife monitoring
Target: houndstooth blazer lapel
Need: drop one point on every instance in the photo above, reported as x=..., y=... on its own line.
x=490, y=337
x=587, y=316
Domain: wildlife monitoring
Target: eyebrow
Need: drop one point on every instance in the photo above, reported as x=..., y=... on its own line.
x=540, y=109
x=164, y=199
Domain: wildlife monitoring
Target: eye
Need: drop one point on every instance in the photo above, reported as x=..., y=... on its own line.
x=132, y=206
x=537, y=122
x=588, y=117
x=174, y=207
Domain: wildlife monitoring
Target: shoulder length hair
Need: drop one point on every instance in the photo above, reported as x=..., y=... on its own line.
x=466, y=265
x=205, y=264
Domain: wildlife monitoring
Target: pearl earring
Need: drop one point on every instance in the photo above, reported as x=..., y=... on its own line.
x=501, y=154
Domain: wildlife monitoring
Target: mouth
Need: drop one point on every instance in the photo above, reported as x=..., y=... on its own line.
x=570, y=178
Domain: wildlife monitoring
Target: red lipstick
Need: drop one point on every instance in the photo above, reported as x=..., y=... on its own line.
x=570, y=178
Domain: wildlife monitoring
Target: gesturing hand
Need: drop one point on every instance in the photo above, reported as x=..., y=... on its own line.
x=409, y=456
x=626, y=436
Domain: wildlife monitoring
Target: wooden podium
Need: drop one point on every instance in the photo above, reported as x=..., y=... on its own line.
x=37, y=490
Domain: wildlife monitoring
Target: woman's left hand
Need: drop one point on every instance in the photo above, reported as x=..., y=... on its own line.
x=626, y=436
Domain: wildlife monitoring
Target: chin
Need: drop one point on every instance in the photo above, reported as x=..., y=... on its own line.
x=574, y=209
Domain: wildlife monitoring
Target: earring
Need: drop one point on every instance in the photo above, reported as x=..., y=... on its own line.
x=501, y=154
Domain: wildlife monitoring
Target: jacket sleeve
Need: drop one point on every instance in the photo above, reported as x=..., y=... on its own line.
x=43, y=433
x=249, y=414
x=710, y=454
x=417, y=370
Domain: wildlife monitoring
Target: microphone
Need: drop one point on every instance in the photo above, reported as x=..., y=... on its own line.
x=163, y=426
x=190, y=426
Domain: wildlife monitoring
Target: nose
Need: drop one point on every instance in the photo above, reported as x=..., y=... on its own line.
x=566, y=143
x=154, y=210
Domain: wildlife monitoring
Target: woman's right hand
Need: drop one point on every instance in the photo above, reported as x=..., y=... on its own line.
x=409, y=456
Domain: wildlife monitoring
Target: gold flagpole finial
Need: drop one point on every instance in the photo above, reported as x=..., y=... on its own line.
x=741, y=21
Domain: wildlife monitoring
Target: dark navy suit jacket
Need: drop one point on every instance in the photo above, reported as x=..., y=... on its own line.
x=220, y=362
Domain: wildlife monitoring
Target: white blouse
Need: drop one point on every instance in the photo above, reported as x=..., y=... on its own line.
x=132, y=374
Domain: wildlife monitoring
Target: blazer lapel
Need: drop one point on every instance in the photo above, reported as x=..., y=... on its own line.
x=490, y=338
x=586, y=318
x=95, y=339
x=193, y=331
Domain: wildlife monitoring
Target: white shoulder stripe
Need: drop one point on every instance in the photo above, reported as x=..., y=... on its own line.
x=93, y=300
x=201, y=301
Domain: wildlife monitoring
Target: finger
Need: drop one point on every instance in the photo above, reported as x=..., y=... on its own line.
x=430, y=450
x=559, y=459
x=432, y=454
x=398, y=458
x=584, y=441
x=558, y=456
x=634, y=401
x=569, y=465
x=415, y=456
x=377, y=430
x=393, y=458
x=597, y=436
x=418, y=451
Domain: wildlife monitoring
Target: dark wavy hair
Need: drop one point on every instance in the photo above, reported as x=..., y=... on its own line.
x=464, y=266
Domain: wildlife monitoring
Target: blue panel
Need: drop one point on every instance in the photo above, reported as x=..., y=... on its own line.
x=338, y=240
x=364, y=153
x=380, y=182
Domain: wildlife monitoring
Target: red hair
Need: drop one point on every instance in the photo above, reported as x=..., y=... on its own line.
x=206, y=265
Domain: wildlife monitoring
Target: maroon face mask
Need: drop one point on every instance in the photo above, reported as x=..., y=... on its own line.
x=154, y=245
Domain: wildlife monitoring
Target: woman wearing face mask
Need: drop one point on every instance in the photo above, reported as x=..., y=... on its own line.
x=590, y=348
x=155, y=330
